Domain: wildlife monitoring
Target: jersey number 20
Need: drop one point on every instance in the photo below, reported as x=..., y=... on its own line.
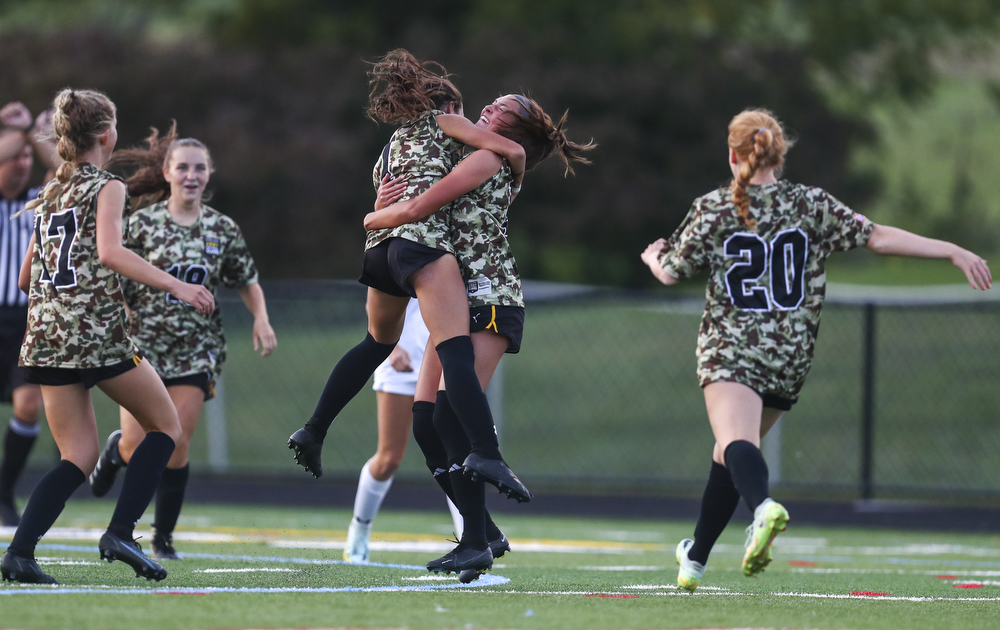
x=784, y=257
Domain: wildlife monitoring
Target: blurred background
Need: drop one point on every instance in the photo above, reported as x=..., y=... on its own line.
x=896, y=108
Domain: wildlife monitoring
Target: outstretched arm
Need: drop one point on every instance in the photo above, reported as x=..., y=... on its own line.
x=467, y=176
x=893, y=241
x=463, y=130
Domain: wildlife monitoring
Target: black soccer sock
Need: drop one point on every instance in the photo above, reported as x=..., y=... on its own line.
x=45, y=505
x=141, y=480
x=458, y=364
x=427, y=437
x=16, y=447
x=347, y=378
x=749, y=472
x=470, y=499
x=169, y=498
x=436, y=457
x=717, y=507
x=450, y=431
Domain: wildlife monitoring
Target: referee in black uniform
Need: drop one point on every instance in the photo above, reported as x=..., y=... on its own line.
x=19, y=142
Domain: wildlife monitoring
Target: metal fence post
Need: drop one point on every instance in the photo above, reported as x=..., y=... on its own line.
x=868, y=402
x=215, y=421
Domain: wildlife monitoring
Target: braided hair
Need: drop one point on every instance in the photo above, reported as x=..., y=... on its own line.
x=758, y=140
x=79, y=118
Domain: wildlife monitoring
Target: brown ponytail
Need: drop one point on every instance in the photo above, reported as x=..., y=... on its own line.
x=533, y=129
x=403, y=87
x=758, y=140
x=80, y=116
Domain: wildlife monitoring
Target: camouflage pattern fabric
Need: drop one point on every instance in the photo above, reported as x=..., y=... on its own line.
x=422, y=153
x=176, y=338
x=767, y=283
x=479, y=237
x=76, y=311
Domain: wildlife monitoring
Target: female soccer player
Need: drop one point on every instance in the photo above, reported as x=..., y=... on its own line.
x=77, y=337
x=199, y=245
x=483, y=185
x=765, y=242
x=417, y=260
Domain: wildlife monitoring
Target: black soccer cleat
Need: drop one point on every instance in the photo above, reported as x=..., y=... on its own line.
x=308, y=449
x=497, y=473
x=162, y=545
x=8, y=513
x=16, y=568
x=463, y=558
x=114, y=548
x=107, y=467
x=498, y=546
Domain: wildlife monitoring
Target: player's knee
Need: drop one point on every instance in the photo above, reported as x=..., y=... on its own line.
x=384, y=465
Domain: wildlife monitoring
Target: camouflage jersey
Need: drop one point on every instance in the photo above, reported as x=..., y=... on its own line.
x=177, y=339
x=423, y=154
x=76, y=311
x=767, y=283
x=479, y=238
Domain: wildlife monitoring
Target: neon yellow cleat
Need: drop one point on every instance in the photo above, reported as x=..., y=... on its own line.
x=770, y=519
x=690, y=572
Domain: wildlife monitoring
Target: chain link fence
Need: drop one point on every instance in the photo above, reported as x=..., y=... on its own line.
x=901, y=400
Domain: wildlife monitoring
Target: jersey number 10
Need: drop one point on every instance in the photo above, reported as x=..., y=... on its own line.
x=193, y=274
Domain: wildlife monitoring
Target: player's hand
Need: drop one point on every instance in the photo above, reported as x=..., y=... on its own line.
x=974, y=268
x=651, y=254
x=389, y=191
x=263, y=337
x=399, y=359
x=195, y=295
x=15, y=115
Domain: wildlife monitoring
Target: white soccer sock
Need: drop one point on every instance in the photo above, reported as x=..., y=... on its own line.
x=371, y=491
x=456, y=517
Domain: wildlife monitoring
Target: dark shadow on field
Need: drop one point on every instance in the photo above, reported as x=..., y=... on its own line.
x=409, y=495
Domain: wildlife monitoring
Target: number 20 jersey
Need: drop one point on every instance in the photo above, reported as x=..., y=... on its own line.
x=76, y=312
x=767, y=283
x=176, y=339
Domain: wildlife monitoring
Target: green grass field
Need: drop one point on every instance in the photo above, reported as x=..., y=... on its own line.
x=254, y=567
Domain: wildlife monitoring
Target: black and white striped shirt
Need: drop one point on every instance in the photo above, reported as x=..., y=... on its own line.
x=14, y=238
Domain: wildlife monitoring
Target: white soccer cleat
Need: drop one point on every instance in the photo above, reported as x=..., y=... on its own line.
x=356, y=549
x=690, y=572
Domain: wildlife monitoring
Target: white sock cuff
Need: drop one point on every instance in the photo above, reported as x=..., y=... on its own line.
x=23, y=428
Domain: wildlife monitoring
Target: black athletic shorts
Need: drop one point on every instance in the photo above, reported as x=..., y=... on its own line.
x=202, y=381
x=388, y=265
x=777, y=402
x=13, y=321
x=87, y=376
x=503, y=320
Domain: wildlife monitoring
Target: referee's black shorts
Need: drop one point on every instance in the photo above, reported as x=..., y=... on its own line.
x=13, y=321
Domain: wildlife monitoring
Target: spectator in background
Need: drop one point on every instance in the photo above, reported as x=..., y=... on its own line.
x=21, y=138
